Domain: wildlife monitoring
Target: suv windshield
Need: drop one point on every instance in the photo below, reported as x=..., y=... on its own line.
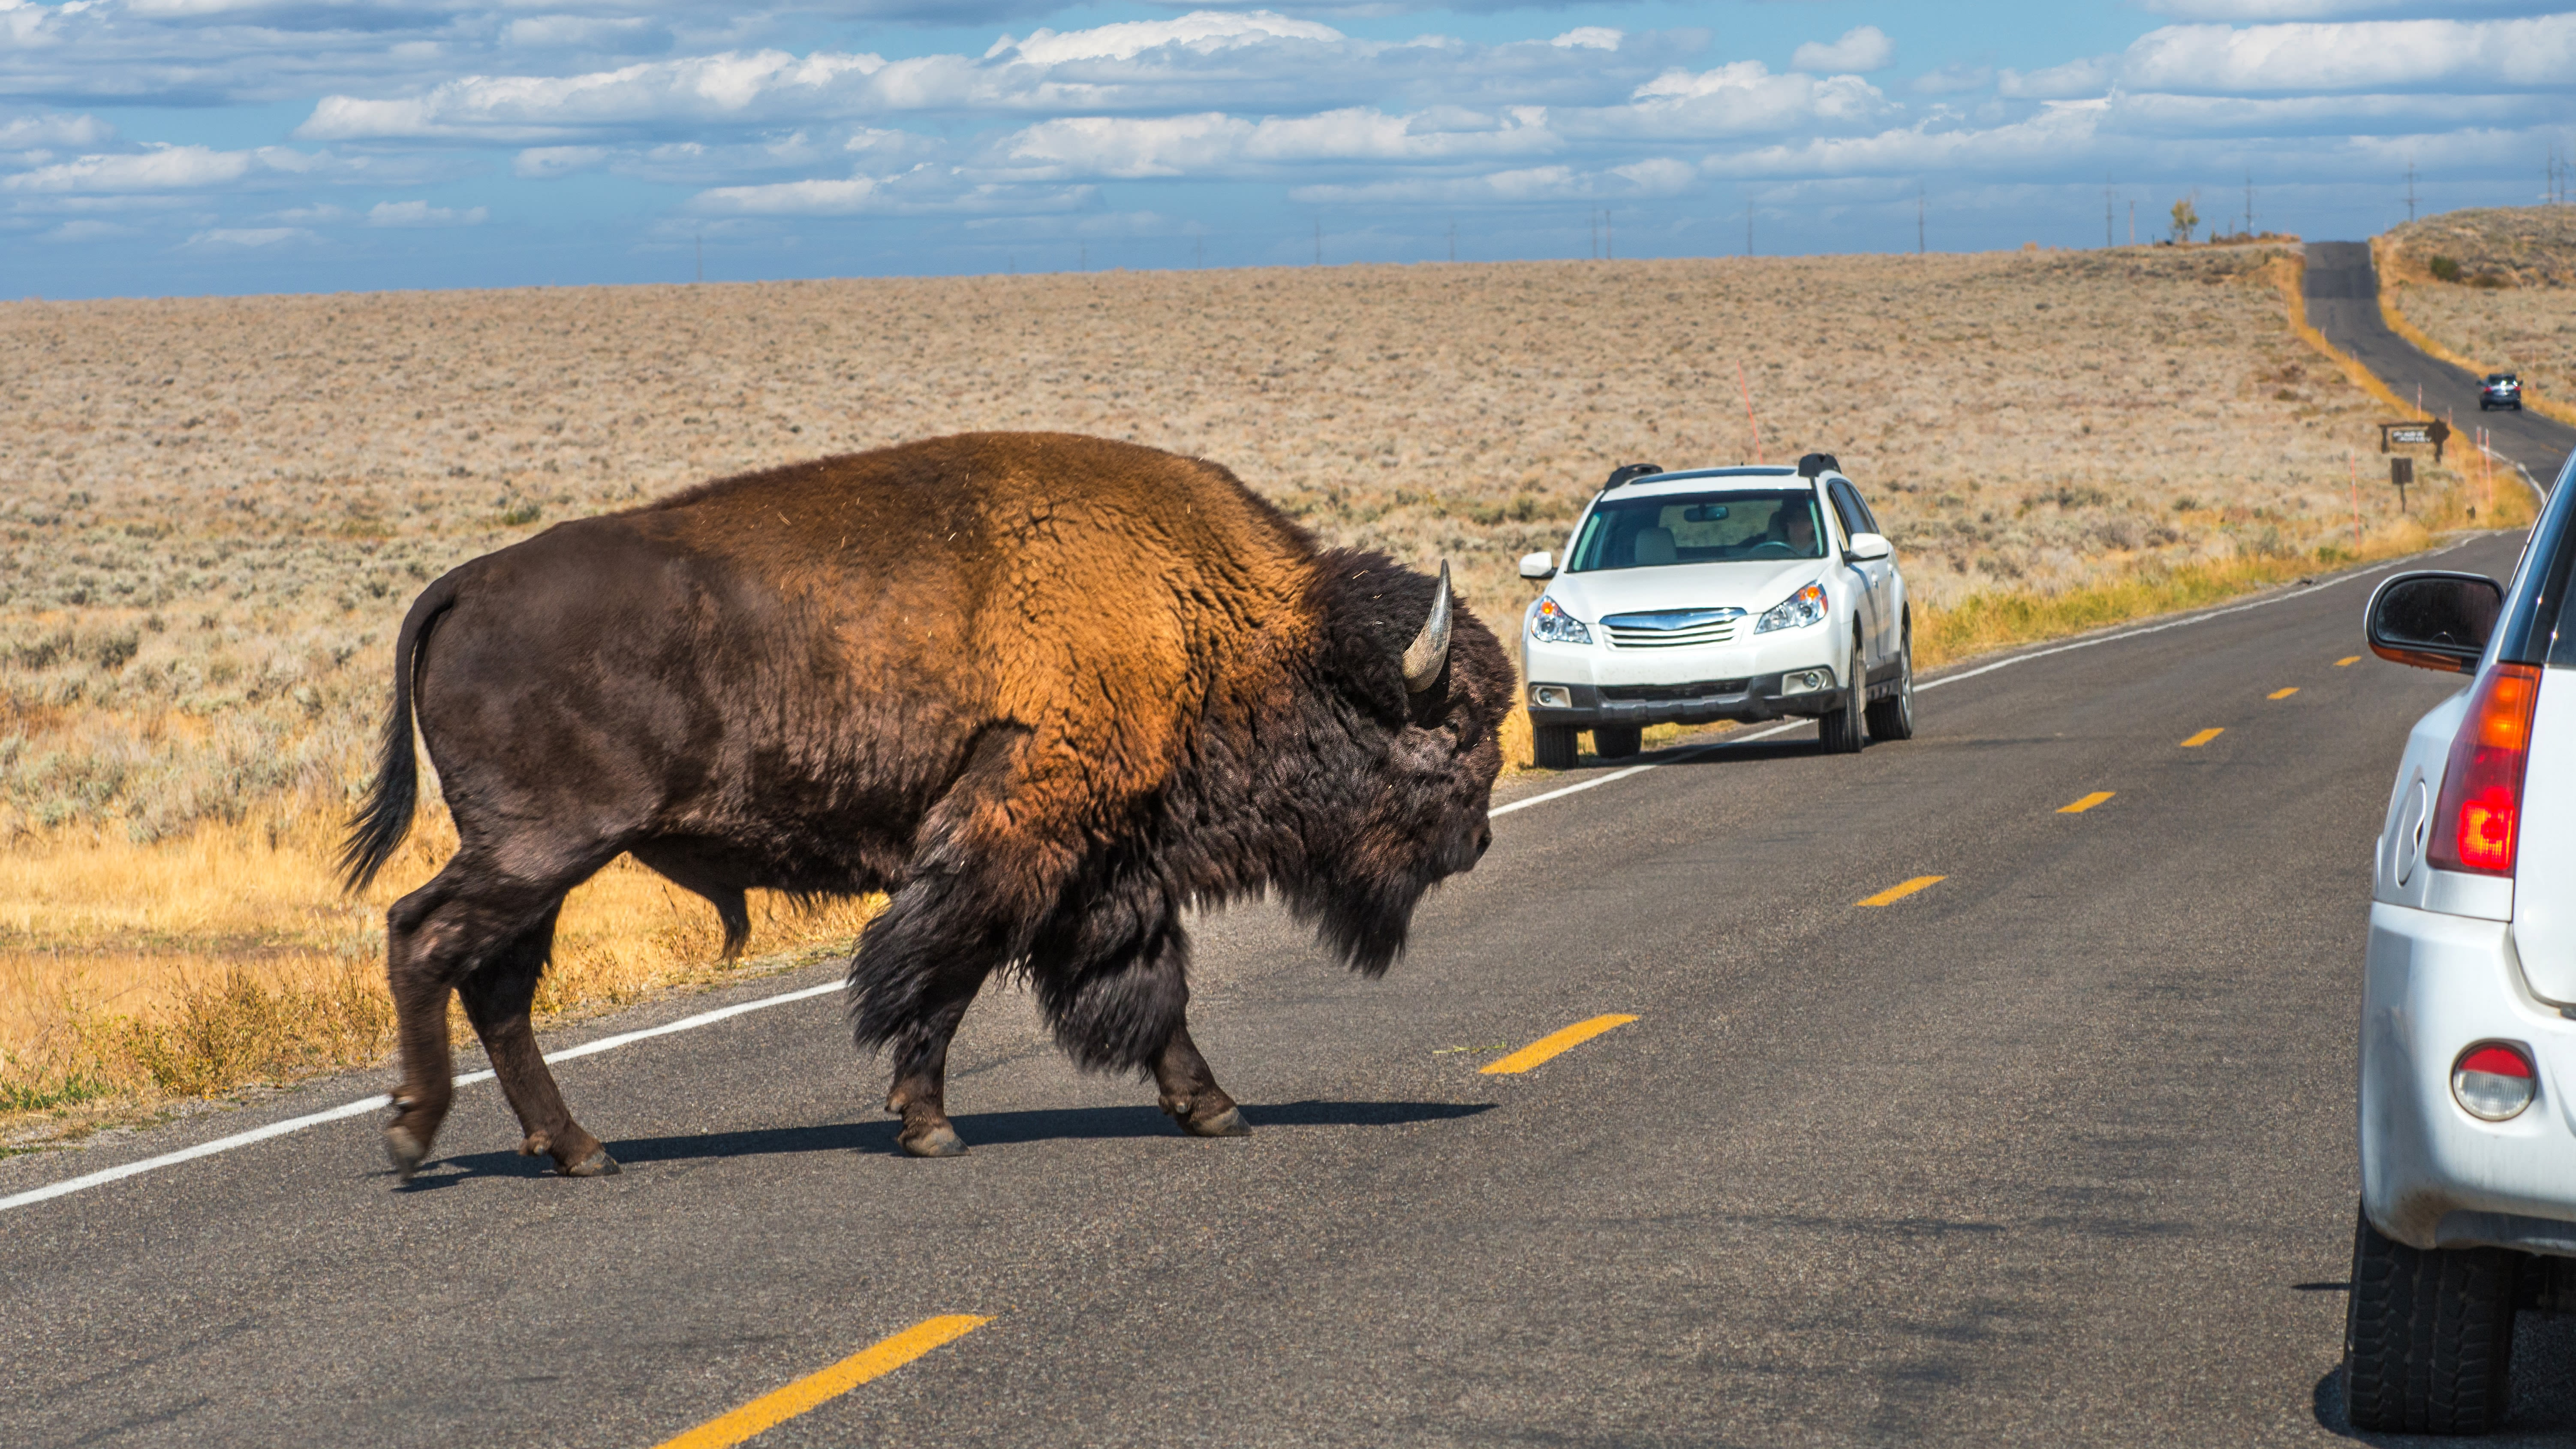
x=1689, y=528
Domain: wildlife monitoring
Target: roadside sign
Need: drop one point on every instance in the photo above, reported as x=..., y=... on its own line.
x=2432, y=433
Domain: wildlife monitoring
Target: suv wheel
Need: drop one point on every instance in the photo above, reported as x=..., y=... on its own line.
x=1892, y=718
x=2428, y=1336
x=1617, y=742
x=1552, y=747
x=1839, y=732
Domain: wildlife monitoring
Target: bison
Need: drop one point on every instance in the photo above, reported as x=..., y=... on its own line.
x=1046, y=691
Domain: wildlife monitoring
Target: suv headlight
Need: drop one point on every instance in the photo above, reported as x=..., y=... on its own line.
x=1552, y=625
x=1807, y=606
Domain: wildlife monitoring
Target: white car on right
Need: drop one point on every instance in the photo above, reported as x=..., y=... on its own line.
x=2468, y=1027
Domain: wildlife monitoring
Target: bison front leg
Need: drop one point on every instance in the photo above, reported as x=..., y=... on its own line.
x=1190, y=1093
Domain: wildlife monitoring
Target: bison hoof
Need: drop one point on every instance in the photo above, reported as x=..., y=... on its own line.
x=536, y=1144
x=407, y=1151
x=597, y=1164
x=939, y=1141
x=1228, y=1123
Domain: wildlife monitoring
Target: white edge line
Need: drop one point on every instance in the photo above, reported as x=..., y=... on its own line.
x=380, y=1102
x=709, y=1018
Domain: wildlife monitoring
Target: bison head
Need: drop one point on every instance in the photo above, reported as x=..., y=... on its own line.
x=1415, y=691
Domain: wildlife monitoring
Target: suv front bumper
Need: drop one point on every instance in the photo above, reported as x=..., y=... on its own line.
x=2432, y=1176
x=1749, y=700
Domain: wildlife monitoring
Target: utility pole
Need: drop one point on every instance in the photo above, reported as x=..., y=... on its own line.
x=1748, y=226
x=1319, y=241
x=1594, y=219
x=1609, y=237
x=1918, y=218
x=1453, y=238
x=1200, y=247
x=702, y=256
x=2249, y=204
x=2410, y=190
x=2110, y=218
x=2133, y=223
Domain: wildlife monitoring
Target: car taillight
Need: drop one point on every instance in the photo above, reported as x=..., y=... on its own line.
x=2493, y=1082
x=2481, y=811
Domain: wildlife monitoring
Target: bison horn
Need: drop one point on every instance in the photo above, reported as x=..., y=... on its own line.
x=1429, y=651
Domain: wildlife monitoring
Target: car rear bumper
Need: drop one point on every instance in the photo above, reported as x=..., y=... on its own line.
x=2432, y=1176
x=1750, y=700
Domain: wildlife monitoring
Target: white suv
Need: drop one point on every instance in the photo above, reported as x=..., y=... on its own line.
x=1720, y=593
x=2468, y=1023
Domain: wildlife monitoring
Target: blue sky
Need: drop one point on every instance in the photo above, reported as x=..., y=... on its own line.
x=153, y=147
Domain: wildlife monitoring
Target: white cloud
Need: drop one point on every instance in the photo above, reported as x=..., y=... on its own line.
x=1862, y=48
x=1203, y=31
x=1589, y=37
x=2087, y=77
x=545, y=163
x=51, y=129
x=86, y=230
x=1215, y=143
x=159, y=167
x=230, y=237
x=729, y=86
x=1745, y=98
x=306, y=215
x=421, y=213
x=2356, y=55
x=584, y=32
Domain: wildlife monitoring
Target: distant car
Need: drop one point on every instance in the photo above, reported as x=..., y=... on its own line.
x=2500, y=390
x=1750, y=593
x=2468, y=1021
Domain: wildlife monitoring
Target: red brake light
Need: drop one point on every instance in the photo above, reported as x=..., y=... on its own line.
x=2475, y=826
x=2500, y=1060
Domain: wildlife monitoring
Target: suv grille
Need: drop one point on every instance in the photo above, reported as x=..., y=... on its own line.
x=1672, y=628
x=1667, y=693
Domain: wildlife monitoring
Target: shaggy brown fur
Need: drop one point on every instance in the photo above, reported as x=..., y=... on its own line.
x=1047, y=690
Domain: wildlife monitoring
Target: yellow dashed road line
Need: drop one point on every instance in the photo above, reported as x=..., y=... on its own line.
x=2347, y=659
x=2087, y=803
x=2204, y=737
x=880, y=1358
x=2283, y=693
x=1895, y=893
x=1552, y=1044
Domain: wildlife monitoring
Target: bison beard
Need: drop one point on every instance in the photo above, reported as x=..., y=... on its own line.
x=1049, y=692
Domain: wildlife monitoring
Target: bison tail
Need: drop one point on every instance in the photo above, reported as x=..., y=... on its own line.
x=382, y=822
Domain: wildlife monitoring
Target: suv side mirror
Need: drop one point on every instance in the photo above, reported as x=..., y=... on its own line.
x=1537, y=565
x=1865, y=547
x=2434, y=620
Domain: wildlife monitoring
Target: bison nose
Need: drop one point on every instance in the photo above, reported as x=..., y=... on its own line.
x=1484, y=840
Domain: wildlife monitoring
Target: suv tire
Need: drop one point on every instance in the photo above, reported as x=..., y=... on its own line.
x=1552, y=747
x=1617, y=742
x=2428, y=1336
x=1892, y=718
x=1839, y=732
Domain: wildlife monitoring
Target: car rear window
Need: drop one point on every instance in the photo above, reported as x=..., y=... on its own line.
x=1686, y=528
x=2536, y=629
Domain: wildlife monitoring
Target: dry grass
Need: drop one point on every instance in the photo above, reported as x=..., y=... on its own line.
x=213, y=511
x=2513, y=307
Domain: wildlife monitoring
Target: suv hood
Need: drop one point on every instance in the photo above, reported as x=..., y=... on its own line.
x=1750, y=586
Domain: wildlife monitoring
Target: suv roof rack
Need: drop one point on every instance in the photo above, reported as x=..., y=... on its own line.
x=1815, y=463
x=1627, y=473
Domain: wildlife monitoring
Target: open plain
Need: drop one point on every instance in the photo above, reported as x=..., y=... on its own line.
x=2510, y=301
x=213, y=512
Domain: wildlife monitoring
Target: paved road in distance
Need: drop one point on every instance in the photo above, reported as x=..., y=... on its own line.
x=2058, y=1149
x=2342, y=292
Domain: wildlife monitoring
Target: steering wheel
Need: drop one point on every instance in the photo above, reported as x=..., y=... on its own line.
x=1770, y=548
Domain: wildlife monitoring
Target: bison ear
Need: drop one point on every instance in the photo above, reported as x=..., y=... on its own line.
x=1429, y=651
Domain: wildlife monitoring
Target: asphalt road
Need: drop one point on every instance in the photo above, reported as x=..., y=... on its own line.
x=2343, y=303
x=2058, y=1149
